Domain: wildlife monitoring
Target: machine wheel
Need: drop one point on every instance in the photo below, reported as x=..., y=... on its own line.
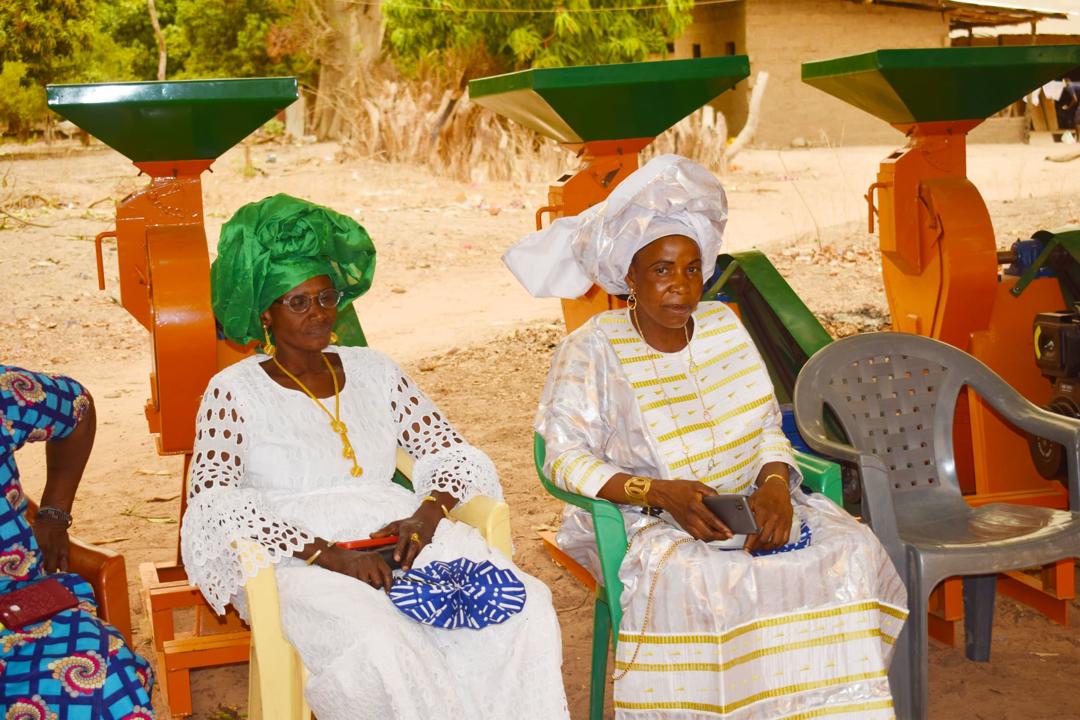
x=1049, y=456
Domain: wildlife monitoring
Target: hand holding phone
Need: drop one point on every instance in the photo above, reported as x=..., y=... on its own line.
x=734, y=511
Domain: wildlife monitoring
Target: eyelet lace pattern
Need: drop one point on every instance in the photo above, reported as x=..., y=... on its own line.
x=257, y=444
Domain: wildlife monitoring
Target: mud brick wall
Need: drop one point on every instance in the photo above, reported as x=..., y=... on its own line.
x=782, y=34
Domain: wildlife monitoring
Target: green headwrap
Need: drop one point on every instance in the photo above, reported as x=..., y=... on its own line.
x=269, y=247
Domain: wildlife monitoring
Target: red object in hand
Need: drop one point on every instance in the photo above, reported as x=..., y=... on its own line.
x=369, y=543
x=35, y=603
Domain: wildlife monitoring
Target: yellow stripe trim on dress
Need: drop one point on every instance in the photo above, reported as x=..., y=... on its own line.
x=623, y=341
x=750, y=700
x=732, y=378
x=559, y=463
x=867, y=606
x=716, y=331
x=613, y=319
x=755, y=655
x=667, y=401
x=840, y=709
x=711, y=311
x=658, y=381
x=640, y=358
x=716, y=421
x=723, y=356
x=718, y=449
x=586, y=474
x=566, y=474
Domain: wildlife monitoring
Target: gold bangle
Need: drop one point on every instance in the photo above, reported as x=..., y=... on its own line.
x=770, y=476
x=637, y=489
x=432, y=498
x=314, y=556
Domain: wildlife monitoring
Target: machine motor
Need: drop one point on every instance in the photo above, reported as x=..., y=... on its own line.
x=1057, y=354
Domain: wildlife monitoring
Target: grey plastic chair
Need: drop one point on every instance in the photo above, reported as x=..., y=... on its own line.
x=894, y=395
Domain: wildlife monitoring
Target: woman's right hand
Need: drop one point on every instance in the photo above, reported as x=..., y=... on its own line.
x=366, y=567
x=684, y=499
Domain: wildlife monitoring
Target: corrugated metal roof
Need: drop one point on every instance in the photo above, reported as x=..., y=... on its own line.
x=990, y=13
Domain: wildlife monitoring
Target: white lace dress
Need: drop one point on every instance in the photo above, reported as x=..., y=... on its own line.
x=268, y=468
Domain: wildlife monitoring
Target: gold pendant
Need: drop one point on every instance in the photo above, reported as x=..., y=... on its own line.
x=356, y=471
x=339, y=427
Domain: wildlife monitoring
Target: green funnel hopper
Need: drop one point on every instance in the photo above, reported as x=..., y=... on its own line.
x=180, y=120
x=945, y=84
x=608, y=102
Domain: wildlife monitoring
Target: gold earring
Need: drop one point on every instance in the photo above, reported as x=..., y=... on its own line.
x=268, y=346
x=333, y=337
x=631, y=301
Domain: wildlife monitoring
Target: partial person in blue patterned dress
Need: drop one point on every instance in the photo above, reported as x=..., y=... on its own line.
x=72, y=666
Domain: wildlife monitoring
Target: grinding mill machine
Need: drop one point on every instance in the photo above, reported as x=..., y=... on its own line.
x=173, y=132
x=943, y=275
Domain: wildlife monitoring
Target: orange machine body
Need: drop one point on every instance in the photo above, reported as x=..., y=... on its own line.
x=164, y=270
x=942, y=280
x=604, y=164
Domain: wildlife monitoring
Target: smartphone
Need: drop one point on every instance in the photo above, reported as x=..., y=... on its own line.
x=734, y=511
x=383, y=546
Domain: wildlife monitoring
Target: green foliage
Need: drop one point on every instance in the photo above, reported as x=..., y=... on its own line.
x=571, y=32
x=46, y=36
x=22, y=104
x=226, y=38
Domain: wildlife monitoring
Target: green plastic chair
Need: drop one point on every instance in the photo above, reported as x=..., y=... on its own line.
x=819, y=475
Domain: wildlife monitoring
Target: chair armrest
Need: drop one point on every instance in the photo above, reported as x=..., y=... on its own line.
x=878, y=510
x=106, y=572
x=491, y=517
x=821, y=476
x=608, y=525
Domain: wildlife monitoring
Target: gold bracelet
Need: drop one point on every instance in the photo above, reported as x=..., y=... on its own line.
x=432, y=498
x=314, y=556
x=637, y=489
x=770, y=476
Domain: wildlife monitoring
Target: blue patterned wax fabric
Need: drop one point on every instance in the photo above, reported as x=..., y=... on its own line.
x=459, y=593
x=803, y=541
x=72, y=666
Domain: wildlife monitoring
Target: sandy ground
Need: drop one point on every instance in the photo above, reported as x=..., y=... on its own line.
x=444, y=306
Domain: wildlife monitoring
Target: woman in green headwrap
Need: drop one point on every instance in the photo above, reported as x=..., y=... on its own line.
x=296, y=449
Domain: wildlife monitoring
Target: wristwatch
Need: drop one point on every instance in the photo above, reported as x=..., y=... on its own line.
x=48, y=512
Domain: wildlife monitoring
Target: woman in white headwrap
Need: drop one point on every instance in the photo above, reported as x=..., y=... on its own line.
x=662, y=404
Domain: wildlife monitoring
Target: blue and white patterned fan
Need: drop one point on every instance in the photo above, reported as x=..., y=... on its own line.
x=459, y=593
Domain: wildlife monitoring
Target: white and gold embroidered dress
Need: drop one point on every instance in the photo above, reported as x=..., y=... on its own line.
x=798, y=634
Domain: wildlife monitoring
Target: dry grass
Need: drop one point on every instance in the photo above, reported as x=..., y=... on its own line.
x=430, y=123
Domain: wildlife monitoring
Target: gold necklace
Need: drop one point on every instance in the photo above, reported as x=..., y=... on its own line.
x=617, y=675
x=707, y=416
x=335, y=419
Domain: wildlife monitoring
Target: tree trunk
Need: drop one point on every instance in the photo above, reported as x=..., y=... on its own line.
x=747, y=133
x=162, y=55
x=349, y=40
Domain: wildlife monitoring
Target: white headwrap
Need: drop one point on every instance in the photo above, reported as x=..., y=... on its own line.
x=670, y=195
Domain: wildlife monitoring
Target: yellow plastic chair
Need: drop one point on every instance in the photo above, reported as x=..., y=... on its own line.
x=276, y=673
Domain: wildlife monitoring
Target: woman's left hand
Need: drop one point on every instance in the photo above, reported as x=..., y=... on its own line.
x=413, y=532
x=771, y=504
x=52, y=538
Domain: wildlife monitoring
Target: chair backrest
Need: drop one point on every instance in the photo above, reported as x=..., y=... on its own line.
x=894, y=395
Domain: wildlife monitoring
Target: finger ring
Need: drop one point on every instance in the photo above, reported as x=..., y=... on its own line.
x=415, y=537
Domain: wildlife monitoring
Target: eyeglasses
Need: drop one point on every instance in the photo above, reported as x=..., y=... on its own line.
x=301, y=303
